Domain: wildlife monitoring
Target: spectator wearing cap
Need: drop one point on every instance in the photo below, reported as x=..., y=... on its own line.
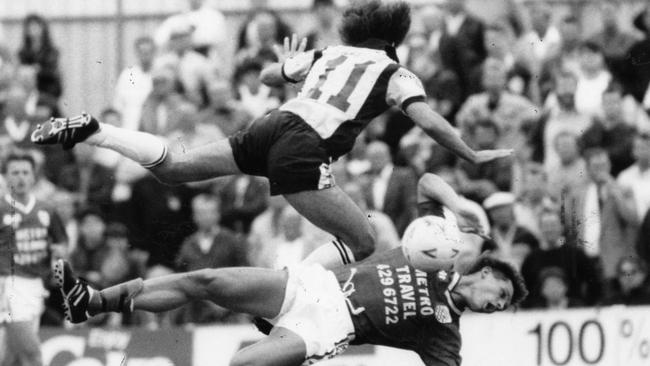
x=602, y=213
x=165, y=108
x=505, y=229
x=630, y=287
x=192, y=68
x=134, y=84
x=481, y=180
x=593, y=79
x=210, y=32
x=508, y=110
x=584, y=280
x=611, y=131
x=554, y=291
x=639, y=61
x=637, y=177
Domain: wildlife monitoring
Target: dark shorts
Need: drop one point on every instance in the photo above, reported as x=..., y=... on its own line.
x=284, y=148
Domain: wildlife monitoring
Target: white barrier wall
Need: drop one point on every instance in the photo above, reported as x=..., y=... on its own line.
x=615, y=336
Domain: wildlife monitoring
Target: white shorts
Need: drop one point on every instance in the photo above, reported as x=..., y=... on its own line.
x=314, y=307
x=21, y=299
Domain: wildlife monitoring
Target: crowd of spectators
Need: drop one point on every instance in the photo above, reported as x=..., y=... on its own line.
x=571, y=208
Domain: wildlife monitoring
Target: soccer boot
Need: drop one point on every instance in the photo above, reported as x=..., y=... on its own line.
x=76, y=292
x=65, y=131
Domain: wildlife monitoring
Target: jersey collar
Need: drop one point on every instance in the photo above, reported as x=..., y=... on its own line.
x=25, y=209
x=450, y=301
x=380, y=44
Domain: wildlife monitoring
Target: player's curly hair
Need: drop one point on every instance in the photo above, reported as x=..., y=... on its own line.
x=371, y=19
x=507, y=271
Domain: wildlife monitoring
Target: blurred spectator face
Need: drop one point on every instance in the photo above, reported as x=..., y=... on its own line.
x=291, y=223
x=432, y=18
x=112, y=118
x=599, y=167
x=494, y=75
x=379, y=156
x=265, y=29
x=554, y=289
x=535, y=179
x=566, y=146
x=498, y=39
x=455, y=6
x=326, y=14
x=570, y=30
x=92, y=229
x=612, y=105
x=35, y=29
x=64, y=203
x=220, y=93
x=502, y=216
x=608, y=12
x=20, y=177
x=205, y=212
x=251, y=80
x=486, y=136
x=180, y=41
x=145, y=51
x=591, y=60
x=630, y=275
x=163, y=81
x=195, y=4
x=565, y=89
x=114, y=268
x=540, y=15
x=551, y=227
x=641, y=147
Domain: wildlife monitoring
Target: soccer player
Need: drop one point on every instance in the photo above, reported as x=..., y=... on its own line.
x=344, y=88
x=29, y=235
x=316, y=312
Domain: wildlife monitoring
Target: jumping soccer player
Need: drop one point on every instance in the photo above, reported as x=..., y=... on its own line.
x=30, y=234
x=344, y=88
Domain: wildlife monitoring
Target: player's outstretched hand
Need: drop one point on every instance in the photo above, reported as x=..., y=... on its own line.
x=290, y=48
x=484, y=156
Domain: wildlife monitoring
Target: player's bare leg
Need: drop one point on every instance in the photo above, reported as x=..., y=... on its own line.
x=23, y=342
x=281, y=348
x=205, y=162
x=254, y=291
x=334, y=211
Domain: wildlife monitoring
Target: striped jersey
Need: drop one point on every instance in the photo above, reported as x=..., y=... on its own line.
x=345, y=88
x=393, y=304
x=26, y=233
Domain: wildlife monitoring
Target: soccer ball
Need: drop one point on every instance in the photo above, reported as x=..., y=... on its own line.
x=432, y=243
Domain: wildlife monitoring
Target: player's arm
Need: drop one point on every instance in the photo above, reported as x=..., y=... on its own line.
x=438, y=128
x=433, y=188
x=293, y=63
x=405, y=91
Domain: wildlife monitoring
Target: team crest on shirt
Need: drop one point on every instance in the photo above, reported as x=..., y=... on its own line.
x=12, y=220
x=443, y=275
x=442, y=314
x=44, y=218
